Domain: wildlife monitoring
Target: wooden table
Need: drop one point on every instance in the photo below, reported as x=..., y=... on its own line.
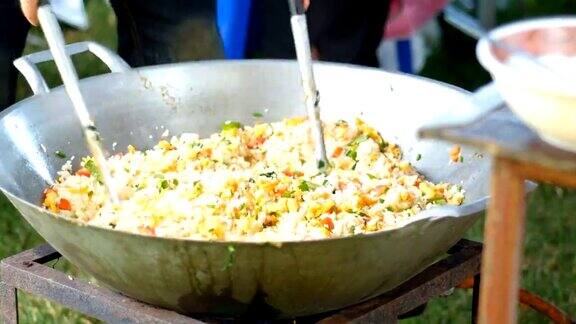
x=518, y=155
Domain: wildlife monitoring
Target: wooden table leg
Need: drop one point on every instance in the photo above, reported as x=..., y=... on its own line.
x=503, y=243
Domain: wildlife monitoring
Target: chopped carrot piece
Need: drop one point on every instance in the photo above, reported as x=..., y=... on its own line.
x=83, y=172
x=280, y=190
x=256, y=142
x=64, y=204
x=147, y=230
x=364, y=200
x=328, y=223
x=290, y=173
x=380, y=190
x=337, y=151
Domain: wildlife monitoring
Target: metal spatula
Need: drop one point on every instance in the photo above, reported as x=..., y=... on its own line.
x=55, y=39
x=311, y=95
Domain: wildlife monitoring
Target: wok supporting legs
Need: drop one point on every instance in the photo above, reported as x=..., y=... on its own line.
x=8, y=304
x=503, y=242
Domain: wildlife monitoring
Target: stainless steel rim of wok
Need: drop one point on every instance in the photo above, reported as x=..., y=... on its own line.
x=275, y=280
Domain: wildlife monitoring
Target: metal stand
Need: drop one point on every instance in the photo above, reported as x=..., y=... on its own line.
x=27, y=272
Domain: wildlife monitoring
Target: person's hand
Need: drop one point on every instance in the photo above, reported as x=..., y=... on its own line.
x=30, y=10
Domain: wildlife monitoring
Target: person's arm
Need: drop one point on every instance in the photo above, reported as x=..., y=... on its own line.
x=30, y=10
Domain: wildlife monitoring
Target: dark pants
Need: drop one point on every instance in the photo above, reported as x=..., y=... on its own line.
x=12, y=40
x=163, y=31
x=346, y=31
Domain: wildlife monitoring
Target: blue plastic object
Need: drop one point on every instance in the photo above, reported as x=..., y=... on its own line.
x=233, y=18
x=404, y=53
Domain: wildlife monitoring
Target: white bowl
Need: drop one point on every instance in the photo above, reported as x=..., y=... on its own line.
x=545, y=102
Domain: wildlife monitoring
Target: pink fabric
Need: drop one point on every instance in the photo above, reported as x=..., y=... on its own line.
x=407, y=16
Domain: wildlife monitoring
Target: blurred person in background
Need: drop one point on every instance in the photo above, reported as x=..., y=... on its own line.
x=154, y=32
x=346, y=31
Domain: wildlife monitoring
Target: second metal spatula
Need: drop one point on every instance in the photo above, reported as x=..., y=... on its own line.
x=311, y=95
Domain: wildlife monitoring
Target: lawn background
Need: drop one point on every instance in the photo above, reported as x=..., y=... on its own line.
x=549, y=266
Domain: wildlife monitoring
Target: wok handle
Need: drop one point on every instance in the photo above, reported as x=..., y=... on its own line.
x=27, y=64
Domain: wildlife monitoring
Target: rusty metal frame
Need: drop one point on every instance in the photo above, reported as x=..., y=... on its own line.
x=27, y=272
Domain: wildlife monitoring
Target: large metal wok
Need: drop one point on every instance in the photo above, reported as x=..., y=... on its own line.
x=135, y=106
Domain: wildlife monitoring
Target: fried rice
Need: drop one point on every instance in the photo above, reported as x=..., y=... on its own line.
x=253, y=183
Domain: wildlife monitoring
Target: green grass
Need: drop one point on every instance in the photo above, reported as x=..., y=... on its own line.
x=15, y=236
x=549, y=266
x=549, y=260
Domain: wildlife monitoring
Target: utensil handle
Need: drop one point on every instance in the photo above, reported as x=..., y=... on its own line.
x=311, y=95
x=27, y=63
x=57, y=45
x=464, y=22
x=296, y=7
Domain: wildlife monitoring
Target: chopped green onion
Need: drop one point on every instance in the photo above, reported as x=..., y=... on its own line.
x=383, y=146
x=257, y=114
x=461, y=159
x=270, y=174
x=91, y=166
x=361, y=214
x=196, y=144
x=439, y=201
x=371, y=176
x=352, y=154
x=307, y=186
x=60, y=154
x=230, y=125
x=418, y=157
x=357, y=140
